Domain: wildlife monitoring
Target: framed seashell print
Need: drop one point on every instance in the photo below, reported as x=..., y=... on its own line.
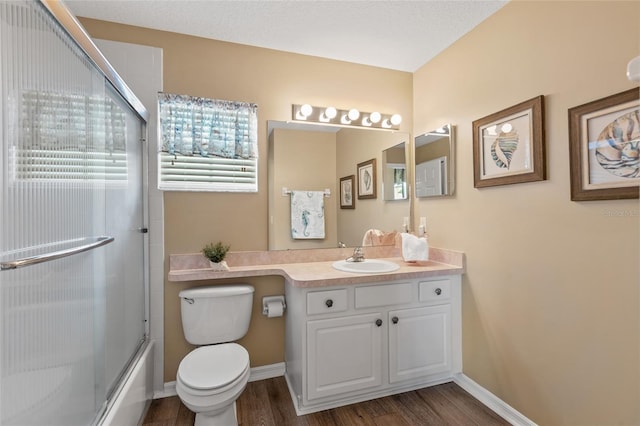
x=604, y=148
x=509, y=145
x=367, y=184
x=347, y=184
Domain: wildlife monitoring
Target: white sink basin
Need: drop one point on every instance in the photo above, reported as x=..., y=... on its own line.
x=368, y=266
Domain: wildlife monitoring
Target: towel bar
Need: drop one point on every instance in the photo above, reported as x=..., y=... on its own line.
x=285, y=192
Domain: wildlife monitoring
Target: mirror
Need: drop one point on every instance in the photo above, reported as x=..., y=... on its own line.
x=434, y=163
x=394, y=173
x=311, y=157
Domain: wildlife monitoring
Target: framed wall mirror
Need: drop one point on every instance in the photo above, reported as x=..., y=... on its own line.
x=394, y=173
x=314, y=157
x=435, y=162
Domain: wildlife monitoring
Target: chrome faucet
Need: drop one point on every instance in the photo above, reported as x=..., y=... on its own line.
x=358, y=255
x=341, y=244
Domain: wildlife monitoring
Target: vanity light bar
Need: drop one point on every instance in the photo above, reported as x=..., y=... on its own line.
x=344, y=117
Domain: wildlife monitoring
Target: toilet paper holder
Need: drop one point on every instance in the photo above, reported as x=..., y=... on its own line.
x=268, y=299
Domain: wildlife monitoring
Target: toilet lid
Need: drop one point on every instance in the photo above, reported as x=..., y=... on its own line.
x=211, y=367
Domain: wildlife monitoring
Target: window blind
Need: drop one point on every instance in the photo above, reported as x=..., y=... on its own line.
x=207, y=144
x=68, y=137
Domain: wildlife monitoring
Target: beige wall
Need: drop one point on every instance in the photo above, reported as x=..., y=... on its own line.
x=302, y=160
x=274, y=80
x=551, y=318
x=433, y=150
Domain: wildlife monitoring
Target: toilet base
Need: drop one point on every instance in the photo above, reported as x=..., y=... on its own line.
x=226, y=417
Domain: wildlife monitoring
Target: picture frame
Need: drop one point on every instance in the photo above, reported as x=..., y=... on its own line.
x=509, y=145
x=604, y=139
x=367, y=180
x=347, y=195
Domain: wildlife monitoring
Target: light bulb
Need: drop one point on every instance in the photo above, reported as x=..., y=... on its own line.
x=306, y=110
x=396, y=119
x=345, y=119
x=506, y=128
x=366, y=122
x=354, y=114
x=386, y=123
x=330, y=112
x=375, y=117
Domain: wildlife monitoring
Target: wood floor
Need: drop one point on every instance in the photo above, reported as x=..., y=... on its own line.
x=268, y=403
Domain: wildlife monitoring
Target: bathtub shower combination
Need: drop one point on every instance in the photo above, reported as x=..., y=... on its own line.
x=72, y=222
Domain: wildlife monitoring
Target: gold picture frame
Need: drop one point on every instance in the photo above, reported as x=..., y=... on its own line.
x=604, y=140
x=509, y=145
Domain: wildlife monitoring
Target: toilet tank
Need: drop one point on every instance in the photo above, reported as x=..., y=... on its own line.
x=216, y=314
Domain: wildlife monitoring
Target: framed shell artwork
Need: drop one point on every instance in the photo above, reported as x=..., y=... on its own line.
x=604, y=148
x=509, y=145
x=367, y=180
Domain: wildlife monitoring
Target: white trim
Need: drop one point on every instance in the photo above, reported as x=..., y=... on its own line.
x=169, y=390
x=267, y=372
x=257, y=373
x=492, y=402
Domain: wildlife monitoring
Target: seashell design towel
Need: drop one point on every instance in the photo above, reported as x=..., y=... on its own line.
x=307, y=215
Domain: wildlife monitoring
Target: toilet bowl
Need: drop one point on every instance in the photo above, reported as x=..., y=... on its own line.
x=210, y=379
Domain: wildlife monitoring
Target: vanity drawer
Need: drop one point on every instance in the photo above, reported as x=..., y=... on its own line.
x=383, y=295
x=325, y=302
x=435, y=290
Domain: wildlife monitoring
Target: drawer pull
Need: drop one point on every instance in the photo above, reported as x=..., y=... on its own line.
x=394, y=320
x=329, y=303
x=378, y=322
x=438, y=291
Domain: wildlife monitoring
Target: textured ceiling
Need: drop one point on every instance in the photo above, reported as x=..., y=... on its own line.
x=399, y=35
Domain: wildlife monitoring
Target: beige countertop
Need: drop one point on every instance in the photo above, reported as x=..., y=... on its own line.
x=312, y=268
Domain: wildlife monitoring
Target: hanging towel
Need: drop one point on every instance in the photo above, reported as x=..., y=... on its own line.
x=307, y=215
x=414, y=248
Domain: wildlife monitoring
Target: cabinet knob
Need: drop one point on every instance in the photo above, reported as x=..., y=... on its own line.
x=394, y=320
x=378, y=322
x=438, y=291
x=329, y=303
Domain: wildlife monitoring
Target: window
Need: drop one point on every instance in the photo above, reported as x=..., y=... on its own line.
x=207, y=144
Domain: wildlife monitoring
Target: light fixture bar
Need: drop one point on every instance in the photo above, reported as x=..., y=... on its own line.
x=345, y=117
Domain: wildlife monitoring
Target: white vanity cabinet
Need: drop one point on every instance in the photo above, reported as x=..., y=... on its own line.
x=357, y=342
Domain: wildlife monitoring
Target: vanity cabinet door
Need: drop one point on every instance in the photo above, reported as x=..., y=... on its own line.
x=343, y=354
x=419, y=342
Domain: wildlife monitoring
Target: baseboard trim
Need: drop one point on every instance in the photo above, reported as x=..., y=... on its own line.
x=267, y=372
x=257, y=373
x=492, y=402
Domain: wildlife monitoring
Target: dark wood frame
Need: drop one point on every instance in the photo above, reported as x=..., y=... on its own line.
x=576, y=149
x=537, y=125
x=352, y=179
x=370, y=163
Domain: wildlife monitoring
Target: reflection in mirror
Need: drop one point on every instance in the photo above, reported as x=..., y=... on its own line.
x=394, y=173
x=434, y=162
x=313, y=158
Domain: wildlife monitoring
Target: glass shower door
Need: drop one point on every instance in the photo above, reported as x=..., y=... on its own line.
x=72, y=289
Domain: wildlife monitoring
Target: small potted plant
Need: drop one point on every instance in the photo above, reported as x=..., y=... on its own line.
x=216, y=253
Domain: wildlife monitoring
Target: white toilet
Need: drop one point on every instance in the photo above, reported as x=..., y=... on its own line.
x=211, y=378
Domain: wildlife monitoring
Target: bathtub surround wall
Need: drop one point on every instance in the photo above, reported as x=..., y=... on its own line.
x=550, y=299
